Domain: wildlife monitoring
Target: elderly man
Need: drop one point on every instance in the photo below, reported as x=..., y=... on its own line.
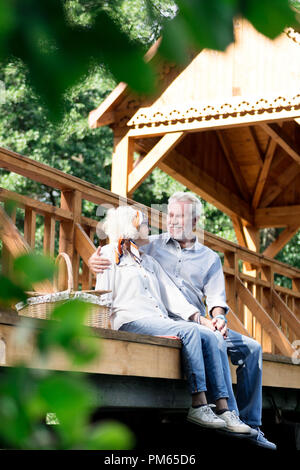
x=197, y=272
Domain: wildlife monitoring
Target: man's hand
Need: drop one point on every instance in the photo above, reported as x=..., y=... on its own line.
x=98, y=263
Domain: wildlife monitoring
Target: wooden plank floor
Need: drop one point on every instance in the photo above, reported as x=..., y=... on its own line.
x=126, y=354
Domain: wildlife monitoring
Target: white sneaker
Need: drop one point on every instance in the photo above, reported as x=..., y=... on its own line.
x=204, y=416
x=233, y=423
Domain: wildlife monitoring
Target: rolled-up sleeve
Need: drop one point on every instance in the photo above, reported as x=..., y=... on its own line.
x=214, y=287
x=172, y=298
x=104, y=280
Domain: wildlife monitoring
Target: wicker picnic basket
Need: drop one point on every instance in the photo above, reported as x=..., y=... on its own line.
x=41, y=306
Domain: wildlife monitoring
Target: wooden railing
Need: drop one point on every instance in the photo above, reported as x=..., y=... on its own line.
x=270, y=313
x=258, y=307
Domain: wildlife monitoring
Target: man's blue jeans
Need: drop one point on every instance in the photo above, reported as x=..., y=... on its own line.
x=246, y=353
x=200, y=362
x=201, y=355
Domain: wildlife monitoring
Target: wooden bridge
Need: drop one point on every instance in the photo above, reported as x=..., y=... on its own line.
x=259, y=307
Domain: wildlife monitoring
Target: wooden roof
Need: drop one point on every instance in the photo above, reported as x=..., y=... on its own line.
x=226, y=126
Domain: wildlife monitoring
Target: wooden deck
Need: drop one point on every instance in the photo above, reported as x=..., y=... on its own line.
x=128, y=355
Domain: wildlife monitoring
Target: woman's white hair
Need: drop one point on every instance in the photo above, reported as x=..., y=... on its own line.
x=181, y=196
x=118, y=223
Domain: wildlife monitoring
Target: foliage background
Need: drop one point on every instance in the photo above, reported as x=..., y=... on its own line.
x=71, y=145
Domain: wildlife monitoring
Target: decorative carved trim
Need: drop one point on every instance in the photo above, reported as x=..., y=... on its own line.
x=233, y=108
x=292, y=34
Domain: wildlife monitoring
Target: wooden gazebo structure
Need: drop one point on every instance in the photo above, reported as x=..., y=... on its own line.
x=227, y=127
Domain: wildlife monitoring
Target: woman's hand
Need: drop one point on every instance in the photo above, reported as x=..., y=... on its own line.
x=220, y=325
x=202, y=321
x=98, y=263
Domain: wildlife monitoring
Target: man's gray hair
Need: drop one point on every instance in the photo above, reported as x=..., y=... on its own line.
x=181, y=196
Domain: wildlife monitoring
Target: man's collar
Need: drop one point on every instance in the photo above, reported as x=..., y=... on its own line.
x=196, y=245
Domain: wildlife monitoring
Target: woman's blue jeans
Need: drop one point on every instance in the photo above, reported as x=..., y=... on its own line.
x=201, y=355
x=206, y=366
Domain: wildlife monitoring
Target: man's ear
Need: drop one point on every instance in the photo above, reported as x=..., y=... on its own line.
x=195, y=221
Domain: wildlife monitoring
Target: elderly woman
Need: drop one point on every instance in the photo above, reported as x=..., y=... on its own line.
x=146, y=301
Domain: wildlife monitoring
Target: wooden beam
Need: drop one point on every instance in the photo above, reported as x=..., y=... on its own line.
x=266, y=321
x=83, y=244
x=234, y=166
x=72, y=201
x=280, y=185
x=286, y=313
x=239, y=231
x=151, y=160
x=122, y=164
x=17, y=246
x=136, y=352
x=284, y=237
x=29, y=227
x=35, y=205
x=280, y=216
x=104, y=115
x=282, y=139
x=49, y=235
x=54, y=178
x=7, y=259
x=184, y=171
x=235, y=323
x=262, y=177
x=204, y=124
x=257, y=149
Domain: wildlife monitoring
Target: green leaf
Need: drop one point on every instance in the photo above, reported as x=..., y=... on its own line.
x=34, y=268
x=10, y=292
x=72, y=400
x=175, y=43
x=269, y=17
x=201, y=24
x=58, y=54
x=69, y=333
x=110, y=435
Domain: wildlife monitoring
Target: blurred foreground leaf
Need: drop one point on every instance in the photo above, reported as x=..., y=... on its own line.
x=29, y=394
x=69, y=333
x=9, y=292
x=110, y=435
x=58, y=54
x=33, y=268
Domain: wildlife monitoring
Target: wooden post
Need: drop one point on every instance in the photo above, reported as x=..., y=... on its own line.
x=251, y=236
x=70, y=200
x=17, y=246
x=296, y=288
x=87, y=278
x=230, y=261
x=122, y=164
x=49, y=235
x=267, y=274
x=7, y=259
x=29, y=227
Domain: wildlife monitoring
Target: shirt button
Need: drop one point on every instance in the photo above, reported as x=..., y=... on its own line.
x=179, y=261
